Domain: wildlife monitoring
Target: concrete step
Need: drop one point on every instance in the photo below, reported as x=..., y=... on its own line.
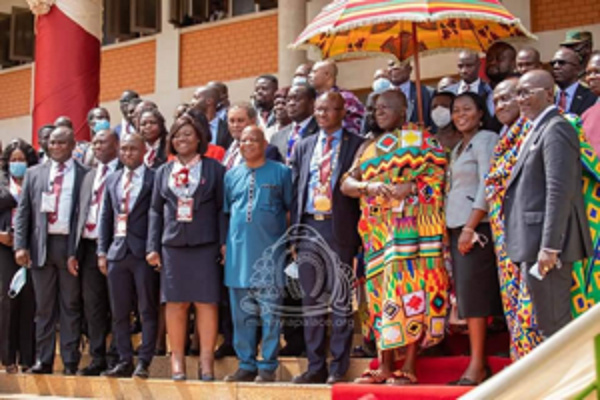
x=131, y=389
x=288, y=368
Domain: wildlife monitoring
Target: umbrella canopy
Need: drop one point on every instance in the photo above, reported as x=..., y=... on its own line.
x=354, y=28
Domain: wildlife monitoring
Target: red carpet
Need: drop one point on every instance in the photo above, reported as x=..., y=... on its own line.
x=433, y=372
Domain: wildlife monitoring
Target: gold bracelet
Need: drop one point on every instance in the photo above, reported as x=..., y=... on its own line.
x=467, y=229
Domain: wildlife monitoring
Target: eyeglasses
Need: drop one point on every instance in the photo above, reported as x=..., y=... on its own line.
x=561, y=63
x=526, y=93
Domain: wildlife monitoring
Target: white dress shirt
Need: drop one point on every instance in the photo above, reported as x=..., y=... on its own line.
x=62, y=224
x=136, y=185
x=96, y=209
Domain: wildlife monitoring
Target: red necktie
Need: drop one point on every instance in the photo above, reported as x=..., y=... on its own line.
x=127, y=192
x=56, y=190
x=151, y=157
x=562, y=100
x=325, y=170
x=232, y=156
x=97, y=195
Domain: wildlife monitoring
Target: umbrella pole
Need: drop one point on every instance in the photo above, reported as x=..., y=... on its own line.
x=418, y=74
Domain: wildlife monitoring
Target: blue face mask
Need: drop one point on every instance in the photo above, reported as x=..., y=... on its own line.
x=17, y=168
x=18, y=281
x=380, y=85
x=299, y=80
x=101, y=125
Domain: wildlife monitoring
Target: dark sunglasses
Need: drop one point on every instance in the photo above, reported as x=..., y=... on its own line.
x=561, y=63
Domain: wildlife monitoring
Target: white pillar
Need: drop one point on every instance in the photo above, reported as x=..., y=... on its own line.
x=166, y=82
x=291, y=22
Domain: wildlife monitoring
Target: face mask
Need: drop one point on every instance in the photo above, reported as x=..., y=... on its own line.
x=441, y=116
x=17, y=283
x=380, y=85
x=17, y=168
x=299, y=80
x=101, y=125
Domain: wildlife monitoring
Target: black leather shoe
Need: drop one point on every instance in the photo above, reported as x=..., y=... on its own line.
x=179, y=377
x=94, y=369
x=70, y=369
x=333, y=379
x=225, y=350
x=40, y=368
x=141, y=370
x=266, y=377
x=310, y=378
x=121, y=370
x=241, y=375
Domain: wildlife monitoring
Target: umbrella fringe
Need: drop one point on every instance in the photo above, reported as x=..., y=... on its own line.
x=417, y=19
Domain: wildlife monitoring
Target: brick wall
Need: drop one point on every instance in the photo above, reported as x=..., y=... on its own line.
x=229, y=51
x=128, y=67
x=16, y=93
x=549, y=15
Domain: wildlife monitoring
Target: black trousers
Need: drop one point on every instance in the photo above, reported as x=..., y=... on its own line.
x=131, y=280
x=326, y=289
x=17, y=330
x=57, y=298
x=96, y=308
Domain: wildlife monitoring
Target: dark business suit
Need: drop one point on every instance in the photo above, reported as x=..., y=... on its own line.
x=57, y=292
x=544, y=209
x=94, y=288
x=224, y=138
x=583, y=99
x=190, y=250
x=413, y=105
x=17, y=334
x=340, y=234
x=281, y=138
x=161, y=155
x=130, y=278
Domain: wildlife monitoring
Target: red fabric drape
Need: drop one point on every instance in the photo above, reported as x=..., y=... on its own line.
x=67, y=72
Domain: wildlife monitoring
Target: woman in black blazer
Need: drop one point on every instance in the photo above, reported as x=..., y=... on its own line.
x=186, y=238
x=17, y=334
x=151, y=125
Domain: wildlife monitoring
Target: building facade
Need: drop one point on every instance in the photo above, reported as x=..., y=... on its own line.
x=166, y=67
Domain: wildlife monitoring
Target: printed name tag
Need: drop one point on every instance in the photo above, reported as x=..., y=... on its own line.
x=48, y=202
x=185, y=206
x=121, y=225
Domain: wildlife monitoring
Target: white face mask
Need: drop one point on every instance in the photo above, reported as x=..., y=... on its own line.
x=380, y=85
x=441, y=116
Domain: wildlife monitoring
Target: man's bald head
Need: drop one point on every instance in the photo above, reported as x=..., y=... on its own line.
x=566, y=66
x=500, y=62
x=390, y=110
x=205, y=99
x=323, y=75
x=395, y=99
x=63, y=120
x=105, y=145
x=330, y=111
x=132, y=150
x=61, y=143
x=528, y=59
x=255, y=131
x=468, y=66
x=505, y=101
x=253, y=145
x=535, y=93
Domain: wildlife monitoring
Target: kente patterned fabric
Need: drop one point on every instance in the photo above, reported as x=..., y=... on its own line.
x=351, y=28
x=516, y=299
x=406, y=281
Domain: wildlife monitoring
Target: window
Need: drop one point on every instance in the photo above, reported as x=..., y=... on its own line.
x=190, y=12
x=129, y=19
x=5, y=60
x=22, y=37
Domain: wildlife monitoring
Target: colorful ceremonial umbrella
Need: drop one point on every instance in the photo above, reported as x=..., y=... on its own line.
x=402, y=29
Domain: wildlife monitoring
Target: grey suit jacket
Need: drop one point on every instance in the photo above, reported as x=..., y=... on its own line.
x=544, y=202
x=31, y=225
x=467, y=183
x=83, y=208
x=281, y=138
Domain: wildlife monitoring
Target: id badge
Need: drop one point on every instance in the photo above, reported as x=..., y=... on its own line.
x=121, y=225
x=185, y=206
x=48, y=202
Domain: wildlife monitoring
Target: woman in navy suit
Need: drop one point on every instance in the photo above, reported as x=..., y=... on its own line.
x=186, y=238
x=17, y=335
